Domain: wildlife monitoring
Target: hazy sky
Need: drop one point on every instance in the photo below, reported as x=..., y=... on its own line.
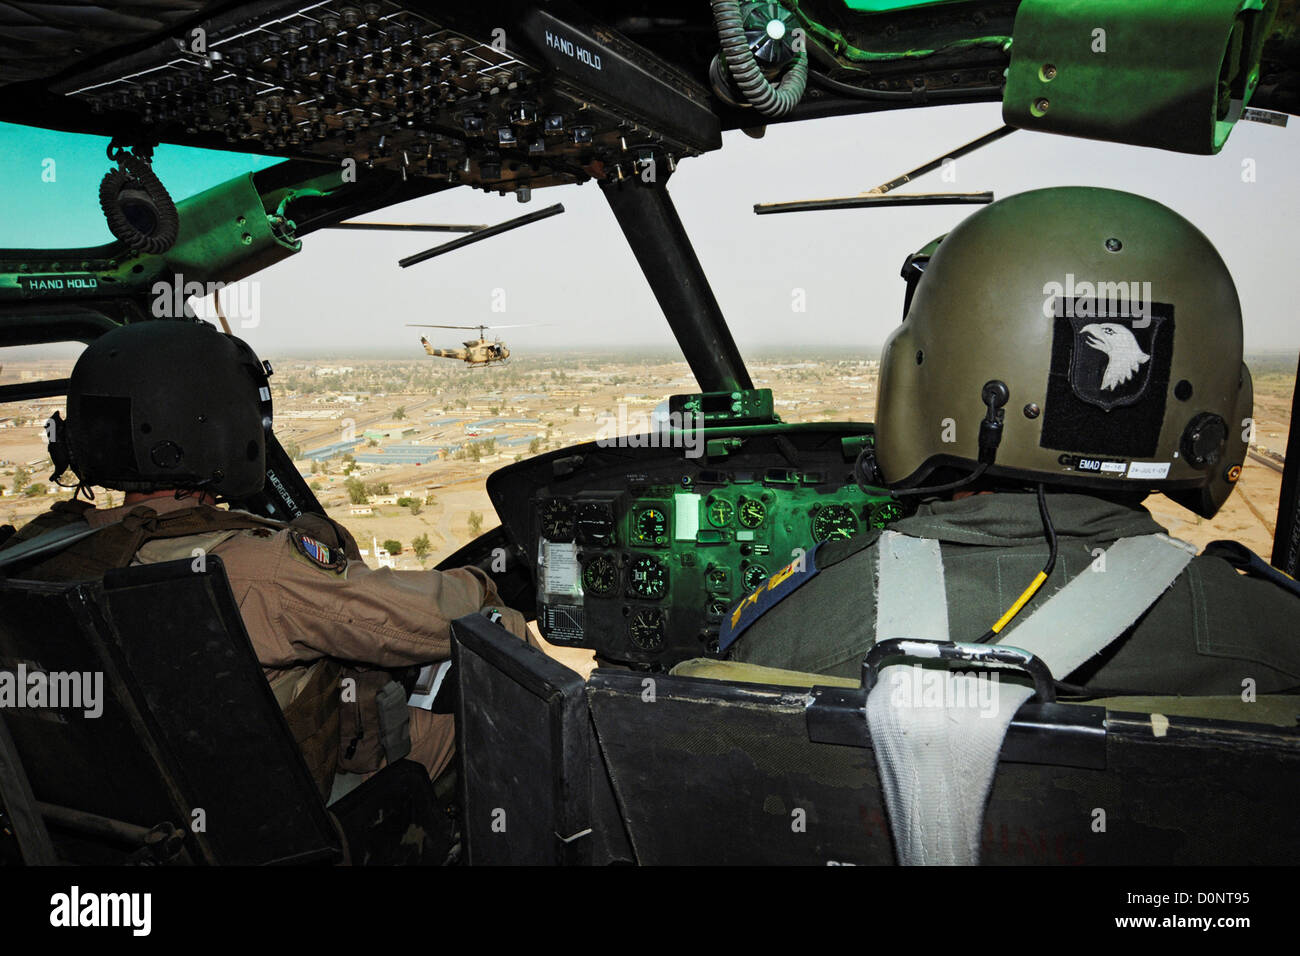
x=345, y=293
x=576, y=272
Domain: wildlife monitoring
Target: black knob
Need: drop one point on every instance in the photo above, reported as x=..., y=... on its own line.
x=1203, y=440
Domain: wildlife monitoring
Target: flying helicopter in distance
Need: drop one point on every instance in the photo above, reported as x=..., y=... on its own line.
x=477, y=352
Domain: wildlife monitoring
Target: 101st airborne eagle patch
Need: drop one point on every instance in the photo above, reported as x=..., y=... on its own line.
x=321, y=555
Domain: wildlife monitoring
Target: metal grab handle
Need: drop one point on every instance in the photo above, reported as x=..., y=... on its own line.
x=1044, y=683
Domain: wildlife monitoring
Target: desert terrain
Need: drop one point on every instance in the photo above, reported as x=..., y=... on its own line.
x=399, y=450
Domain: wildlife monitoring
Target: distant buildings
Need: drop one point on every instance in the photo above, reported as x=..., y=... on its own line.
x=516, y=441
x=389, y=430
x=382, y=557
x=308, y=414
x=400, y=454
x=487, y=422
x=325, y=452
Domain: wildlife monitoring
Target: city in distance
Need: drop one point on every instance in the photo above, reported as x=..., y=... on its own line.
x=399, y=449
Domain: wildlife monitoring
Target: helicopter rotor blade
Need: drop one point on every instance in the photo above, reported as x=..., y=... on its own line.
x=407, y=226
x=426, y=325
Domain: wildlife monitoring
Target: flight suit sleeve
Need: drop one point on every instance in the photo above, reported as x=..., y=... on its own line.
x=299, y=603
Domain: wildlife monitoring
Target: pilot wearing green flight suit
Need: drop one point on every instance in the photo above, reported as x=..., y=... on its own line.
x=1067, y=352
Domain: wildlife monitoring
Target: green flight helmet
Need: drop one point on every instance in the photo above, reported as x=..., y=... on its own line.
x=166, y=403
x=1113, y=324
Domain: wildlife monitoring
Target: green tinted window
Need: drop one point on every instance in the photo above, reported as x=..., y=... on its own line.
x=51, y=183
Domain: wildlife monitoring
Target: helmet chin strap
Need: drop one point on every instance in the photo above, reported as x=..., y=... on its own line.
x=995, y=396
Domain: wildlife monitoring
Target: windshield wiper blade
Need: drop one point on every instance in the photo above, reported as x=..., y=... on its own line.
x=481, y=234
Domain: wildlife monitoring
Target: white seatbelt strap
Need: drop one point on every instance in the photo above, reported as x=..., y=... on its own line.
x=910, y=600
x=1100, y=604
x=937, y=734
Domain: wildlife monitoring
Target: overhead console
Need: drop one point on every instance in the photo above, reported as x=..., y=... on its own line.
x=639, y=552
x=436, y=91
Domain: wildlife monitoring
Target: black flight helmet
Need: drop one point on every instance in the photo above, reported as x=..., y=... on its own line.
x=167, y=404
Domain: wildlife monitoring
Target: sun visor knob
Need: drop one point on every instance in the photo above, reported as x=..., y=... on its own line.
x=1203, y=440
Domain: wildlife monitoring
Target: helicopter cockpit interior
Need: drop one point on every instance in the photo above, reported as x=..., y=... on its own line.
x=637, y=547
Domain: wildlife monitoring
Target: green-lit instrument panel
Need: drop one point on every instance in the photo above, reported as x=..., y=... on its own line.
x=640, y=552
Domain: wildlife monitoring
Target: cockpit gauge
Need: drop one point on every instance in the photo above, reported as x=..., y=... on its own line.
x=600, y=576
x=645, y=628
x=753, y=576
x=720, y=512
x=834, y=521
x=595, y=522
x=882, y=515
x=557, y=520
x=715, y=578
x=751, y=512
x=647, y=577
x=650, y=526
x=716, y=608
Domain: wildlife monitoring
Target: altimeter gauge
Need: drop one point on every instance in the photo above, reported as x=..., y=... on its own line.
x=557, y=520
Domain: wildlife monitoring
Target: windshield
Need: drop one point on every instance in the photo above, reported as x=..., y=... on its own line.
x=398, y=444
x=51, y=194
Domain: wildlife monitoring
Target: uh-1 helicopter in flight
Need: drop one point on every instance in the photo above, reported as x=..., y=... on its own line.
x=477, y=352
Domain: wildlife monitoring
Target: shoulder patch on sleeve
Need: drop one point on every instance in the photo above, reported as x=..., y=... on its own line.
x=779, y=586
x=321, y=555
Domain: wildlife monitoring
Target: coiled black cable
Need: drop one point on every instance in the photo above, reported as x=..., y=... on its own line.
x=134, y=172
x=773, y=101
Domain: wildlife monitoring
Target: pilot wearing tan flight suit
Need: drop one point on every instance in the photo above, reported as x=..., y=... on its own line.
x=174, y=413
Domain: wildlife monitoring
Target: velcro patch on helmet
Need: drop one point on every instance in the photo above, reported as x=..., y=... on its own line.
x=1109, y=378
x=321, y=555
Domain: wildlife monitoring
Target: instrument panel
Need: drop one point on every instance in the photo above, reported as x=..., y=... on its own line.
x=640, y=553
